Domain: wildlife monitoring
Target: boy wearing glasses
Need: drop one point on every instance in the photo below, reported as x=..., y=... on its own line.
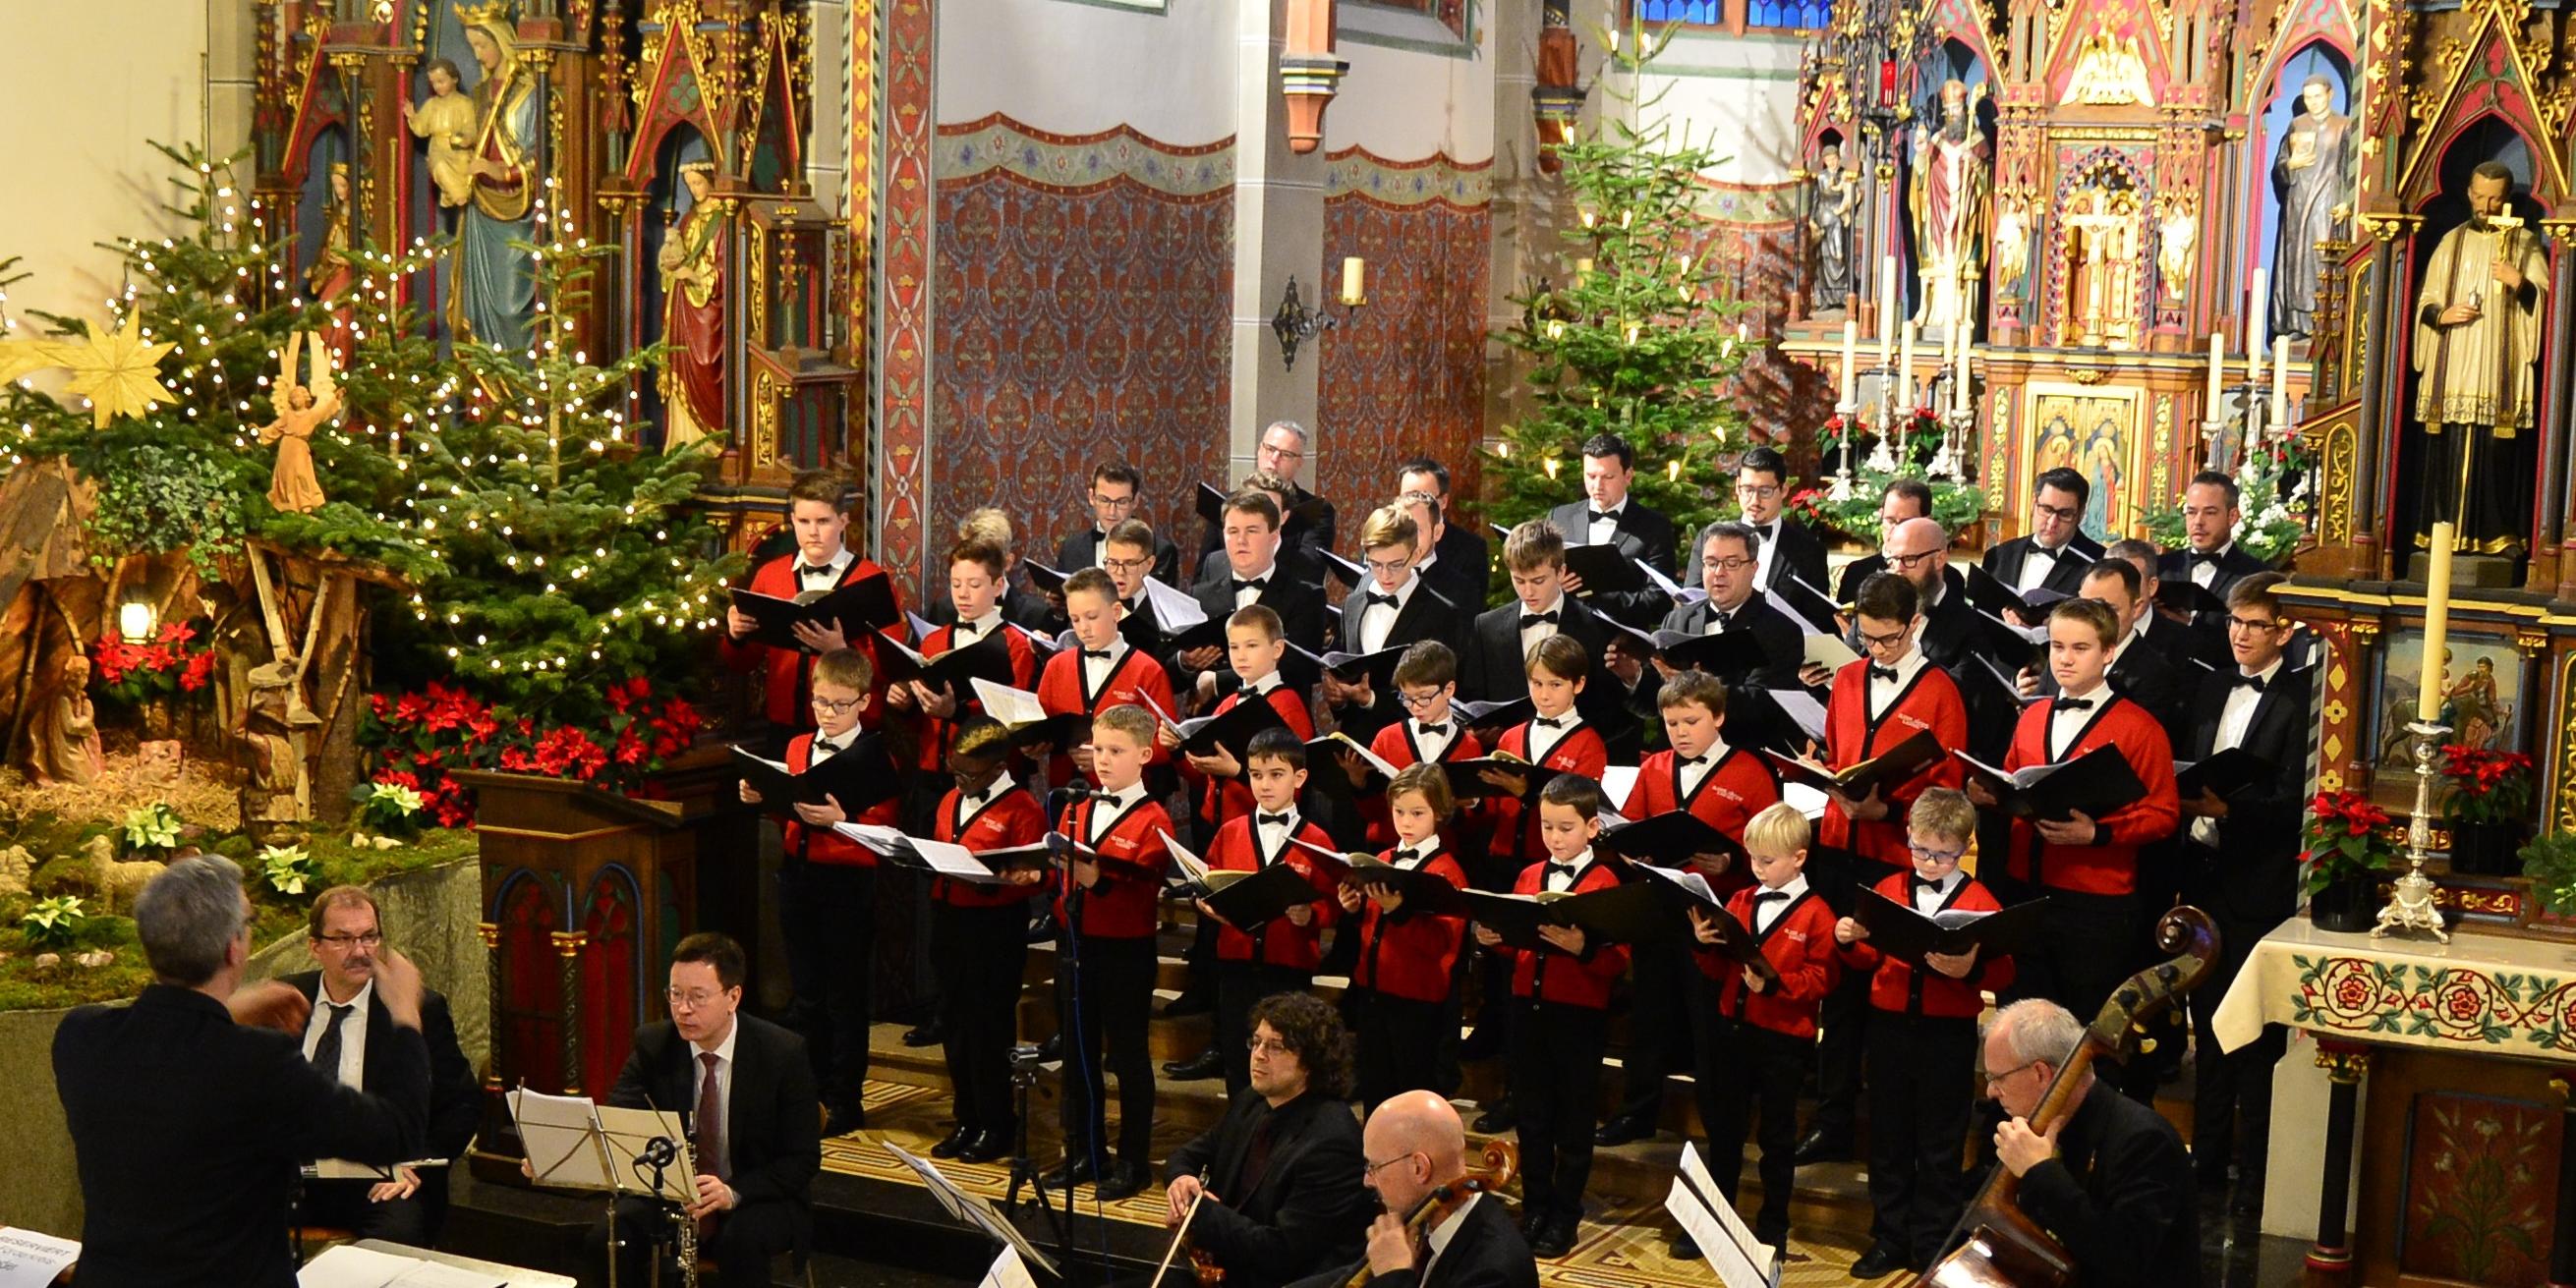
x=827, y=896
x=818, y=517
x=1922, y=1043
x=1762, y=493
x=1608, y=516
x=1426, y=681
x=1394, y=610
x=1112, y=499
x=2261, y=705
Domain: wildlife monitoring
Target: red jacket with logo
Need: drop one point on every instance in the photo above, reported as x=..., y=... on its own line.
x=1551, y=975
x=1010, y=819
x=1930, y=702
x=1222, y=799
x=1408, y=953
x=1900, y=988
x=1132, y=860
x=1279, y=941
x=930, y=752
x=822, y=844
x=1136, y=680
x=1800, y=946
x=2111, y=865
x=788, y=674
x=1578, y=752
x=1742, y=785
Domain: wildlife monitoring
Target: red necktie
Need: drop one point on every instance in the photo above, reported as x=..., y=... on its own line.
x=711, y=1141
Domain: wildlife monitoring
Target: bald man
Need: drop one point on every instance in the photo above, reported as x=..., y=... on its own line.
x=1415, y=1144
x=2110, y=1180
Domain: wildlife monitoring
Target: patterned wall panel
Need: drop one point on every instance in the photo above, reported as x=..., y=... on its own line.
x=1405, y=375
x=903, y=421
x=1082, y=303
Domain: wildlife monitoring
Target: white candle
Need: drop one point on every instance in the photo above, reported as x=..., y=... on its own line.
x=2281, y=384
x=1905, y=371
x=1354, y=281
x=1886, y=306
x=1959, y=378
x=1851, y=344
x=2254, y=377
x=2217, y=376
x=2255, y=299
x=2437, y=625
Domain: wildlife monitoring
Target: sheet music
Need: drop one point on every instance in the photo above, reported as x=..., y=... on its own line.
x=1805, y=799
x=1007, y=1271
x=1174, y=611
x=29, y=1259
x=1733, y=1268
x=1757, y=1258
x=1193, y=868
x=921, y=627
x=973, y=1209
x=1802, y=707
x=1682, y=596
x=350, y=1266
x=1781, y=602
x=1014, y=708
x=1829, y=652
x=1371, y=758
x=579, y=1145
x=1617, y=781
x=877, y=837
x=952, y=860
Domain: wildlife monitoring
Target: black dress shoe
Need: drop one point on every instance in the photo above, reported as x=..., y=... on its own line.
x=985, y=1147
x=1820, y=1146
x=1684, y=1248
x=953, y=1142
x=1204, y=1065
x=1500, y=1118
x=922, y=1035
x=1555, y=1238
x=1073, y=1171
x=1194, y=1001
x=1126, y=1180
x=842, y=1121
x=1878, y=1263
x=1621, y=1130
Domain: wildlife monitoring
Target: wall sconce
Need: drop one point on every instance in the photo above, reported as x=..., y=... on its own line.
x=1295, y=324
x=134, y=620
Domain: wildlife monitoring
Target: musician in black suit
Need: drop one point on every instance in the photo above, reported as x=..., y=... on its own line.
x=189, y=1109
x=1415, y=1145
x=1255, y=571
x=1461, y=581
x=2162, y=632
x=1394, y=609
x=1904, y=499
x=1608, y=516
x=1459, y=546
x=2210, y=557
x=2055, y=552
x=2110, y=1181
x=755, y=1134
x=1727, y=561
x=1113, y=501
x=1306, y=520
x=349, y=1037
x=1277, y=1180
x=2241, y=864
x=1762, y=492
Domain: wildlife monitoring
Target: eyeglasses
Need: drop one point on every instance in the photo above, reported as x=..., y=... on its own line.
x=2061, y=513
x=1417, y=701
x=1107, y=502
x=1905, y=563
x=1937, y=856
x=1732, y=563
x=1258, y=1044
x=1993, y=1078
x=1889, y=640
x=1126, y=565
x=1285, y=453
x=1390, y=567
x=347, y=942
x=835, y=706
x=691, y=1000
x=2235, y=623
x=1369, y=1172
x=1757, y=491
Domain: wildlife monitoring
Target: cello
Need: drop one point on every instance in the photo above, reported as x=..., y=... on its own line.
x=1996, y=1244
x=1500, y=1159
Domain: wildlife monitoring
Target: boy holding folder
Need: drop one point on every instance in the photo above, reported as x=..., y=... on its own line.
x=1279, y=955
x=1403, y=979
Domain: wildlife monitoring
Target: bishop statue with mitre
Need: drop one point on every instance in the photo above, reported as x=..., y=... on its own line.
x=2477, y=329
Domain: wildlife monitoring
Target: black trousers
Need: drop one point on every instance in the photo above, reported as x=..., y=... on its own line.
x=744, y=1242
x=982, y=953
x=1659, y=1028
x=1105, y=998
x=1556, y=1087
x=2232, y=1090
x=414, y=1221
x=827, y=914
x=2088, y=947
x=1398, y=1043
x=1747, y=1070
x=1844, y=1019
x=1240, y=986
x=1922, y=1084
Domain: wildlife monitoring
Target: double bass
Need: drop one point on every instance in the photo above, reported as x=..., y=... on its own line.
x=1996, y=1244
x=1499, y=1161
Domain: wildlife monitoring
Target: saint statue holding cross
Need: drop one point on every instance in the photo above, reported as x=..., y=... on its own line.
x=2477, y=330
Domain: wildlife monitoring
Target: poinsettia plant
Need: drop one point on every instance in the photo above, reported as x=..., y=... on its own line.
x=2347, y=839
x=2484, y=786
x=415, y=740
x=131, y=672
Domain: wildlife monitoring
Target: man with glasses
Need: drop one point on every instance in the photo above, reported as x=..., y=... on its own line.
x=1728, y=556
x=1458, y=547
x=347, y=1038
x=2108, y=1179
x=1608, y=516
x=1306, y=521
x=1414, y=1145
x=746, y=1092
x=2210, y=558
x=1904, y=499
x=1762, y=492
x=1112, y=499
x=2259, y=705
x=1277, y=1181
x=2055, y=552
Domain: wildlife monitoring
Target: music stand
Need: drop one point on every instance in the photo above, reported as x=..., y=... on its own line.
x=574, y=1144
x=1725, y=1244
x=972, y=1209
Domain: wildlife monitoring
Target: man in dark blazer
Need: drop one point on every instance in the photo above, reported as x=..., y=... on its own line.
x=1415, y=1144
x=2240, y=862
x=1306, y=521
x=1904, y=499
x=1461, y=582
x=350, y=1037
x=2055, y=552
x=2210, y=558
x=1277, y=1180
x=2163, y=632
x=1492, y=668
x=1608, y=516
x=2145, y=676
x=1394, y=608
x=1727, y=558
x=1762, y=493
x=756, y=1135
x=190, y=1109
x=2114, y=1186
x=1459, y=547
x=1112, y=498
x=1256, y=569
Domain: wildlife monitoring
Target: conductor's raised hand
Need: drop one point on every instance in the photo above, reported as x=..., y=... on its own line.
x=398, y=987
x=270, y=1004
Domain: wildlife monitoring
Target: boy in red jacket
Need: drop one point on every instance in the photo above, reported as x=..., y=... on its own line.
x=1254, y=645
x=1107, y=906
x=1278, y=956
x=827, y=897
x=2087, y=867
x=1556, y=738
x=1561, y=996
x=818, y=515
x=978, y=939
x=1100, y=672
x=977, y=580
x=1426, y=681
x=1922, y=1045
x=1402, y=990
x=1761, y=1033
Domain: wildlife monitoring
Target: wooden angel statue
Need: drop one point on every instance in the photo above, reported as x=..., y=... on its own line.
x=62, y=737
x=301, y=409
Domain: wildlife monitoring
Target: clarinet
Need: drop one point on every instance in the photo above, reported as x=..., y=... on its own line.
x=685, y=1227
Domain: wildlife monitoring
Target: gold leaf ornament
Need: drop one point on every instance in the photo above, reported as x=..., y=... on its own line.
x=116, y=370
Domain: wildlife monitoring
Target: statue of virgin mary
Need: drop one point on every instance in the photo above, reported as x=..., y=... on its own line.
x=496, y=294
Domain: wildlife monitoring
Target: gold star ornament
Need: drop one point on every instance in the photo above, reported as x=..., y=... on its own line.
x=115, y=370
x=23, y=357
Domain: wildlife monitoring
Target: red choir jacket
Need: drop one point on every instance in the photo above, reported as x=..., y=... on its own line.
x=1221, y=800
x=1012, y=818
x=786, y=692
x=1553, y=976
x=1742, y=785
x=1136, y=680
x=930, y=751
x=1408, y=953
x=1515, y=829
x=1278, y=942
x=1800, y=946
x=1394, y=745
x=1898, y=987
x=2110, y=867
x=822, y=844
x=1132, y=860
x=1931, y=702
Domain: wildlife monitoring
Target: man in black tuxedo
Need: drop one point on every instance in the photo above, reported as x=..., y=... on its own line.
x=1255, y=570
x=190, y=1109
x=1727, y=560
x=2138, y=671
x=1459, y=547
x=1394, y=609
x=1414, y=1144
x=1113, y=501
x=1461, y=581
x=2210, y=558
x=1904, y=499
x=1762, y=492
x=1277, y=1180
x=2161, y=631
x=2055, y=553
x=1493, y=666
x=1608, y=516
x=2241, y=864
x=2111, y=1182
x=349, y=1038
x=1306, y=520
x=746, y=1091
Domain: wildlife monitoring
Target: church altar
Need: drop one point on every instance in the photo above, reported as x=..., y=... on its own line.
x=2465, y=1050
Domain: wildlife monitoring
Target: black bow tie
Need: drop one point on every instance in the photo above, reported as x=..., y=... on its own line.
x=1922, y=884
x=1405, y=857
x=810, y=570
x=1529, y=620
x=2254, y=682
x=1760, y=535
x=1552, y=722
x=1101, y=653
x=1273, y=820
x=965, y=628
x=1439, y=729
x=1376, y=598
x=1242, y=584
x=1690, y=760
x=1887, y=673
x=2199, y=557
x=826, y=747
x=1597, y=516
x=2075, y=704
x=1769, y=895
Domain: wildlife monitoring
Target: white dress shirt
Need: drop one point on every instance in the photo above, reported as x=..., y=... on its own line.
x=1096, y=670
x=1604, y=530
x=724, y=1091
x=1270, y=840
x=2036, y=566
x=1432, y=746
x=830, y=576
x=2204, y=572
x=353, y=1031
x=1543, y=740
x=1250, y=595
x=2234, y=719
x=1533, y=633
x=1560, y=875
x=970, y=805
x=1769, y=904
x=1108, y=807
x=1693, y=774
x=1883, y=691
x=2064, y=723
x=1765, y=547
x=827, y=746
x=965, y=633
x=1377, y=619
x=1415, y=855
x=1930, y=898
x=1441, y=1234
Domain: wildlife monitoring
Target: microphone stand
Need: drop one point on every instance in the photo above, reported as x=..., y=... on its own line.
x=1096, y=1118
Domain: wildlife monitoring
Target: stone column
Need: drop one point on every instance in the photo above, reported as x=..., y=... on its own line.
x=1278, y=235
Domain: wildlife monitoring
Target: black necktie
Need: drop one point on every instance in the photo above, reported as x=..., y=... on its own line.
x=2254, y=682
x=1529, y=620
x=1552, y=722
x=326, y=1052
x=1887, y=673
x=2199, y=557
x=1255, y=585
x=1271, y=820
x=1101, y=653
x=1438, y=730
x=1376, y=598
x=2075, y=704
